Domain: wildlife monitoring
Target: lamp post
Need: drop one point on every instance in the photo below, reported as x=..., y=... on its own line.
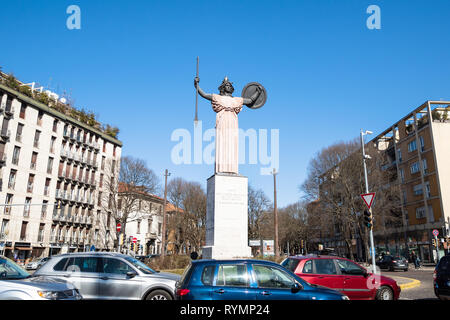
x=364, y=156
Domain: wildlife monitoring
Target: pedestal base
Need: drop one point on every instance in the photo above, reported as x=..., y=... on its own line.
x=227, y=218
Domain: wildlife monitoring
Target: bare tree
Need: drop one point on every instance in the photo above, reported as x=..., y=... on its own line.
x=336, y=180
x=123, y=190
x=259, y=206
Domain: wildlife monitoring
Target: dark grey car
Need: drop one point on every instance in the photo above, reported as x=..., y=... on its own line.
x=106, y=275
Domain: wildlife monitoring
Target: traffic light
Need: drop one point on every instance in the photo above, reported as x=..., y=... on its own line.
x=433, y=241
x=368, y=219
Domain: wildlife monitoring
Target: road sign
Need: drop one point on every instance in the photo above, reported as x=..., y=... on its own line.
x=119, y=227
x=368, y=199
x=134, y=240
x=435, y=232
x=92, y=248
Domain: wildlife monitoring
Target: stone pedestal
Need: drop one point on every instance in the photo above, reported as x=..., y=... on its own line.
x=227, y=217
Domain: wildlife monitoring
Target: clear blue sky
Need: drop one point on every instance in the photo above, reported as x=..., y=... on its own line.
x=327, y=75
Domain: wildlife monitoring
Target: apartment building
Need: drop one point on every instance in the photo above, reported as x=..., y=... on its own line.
x=50, y=167
x=418, y=151
x=145, y=224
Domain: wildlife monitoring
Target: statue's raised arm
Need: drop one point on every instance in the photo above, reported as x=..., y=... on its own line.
x=205, y=95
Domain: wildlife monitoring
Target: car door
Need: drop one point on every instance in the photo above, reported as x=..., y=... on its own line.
x=115, y=283
x=275, y=284
x=325, y=274
x=356, y=281
x=82, y=272
x=232, y=283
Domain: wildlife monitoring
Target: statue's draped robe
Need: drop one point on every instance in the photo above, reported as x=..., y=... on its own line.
x=227, y=132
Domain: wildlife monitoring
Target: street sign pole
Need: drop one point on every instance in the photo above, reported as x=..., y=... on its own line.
x=435, y=234
x=372, y=247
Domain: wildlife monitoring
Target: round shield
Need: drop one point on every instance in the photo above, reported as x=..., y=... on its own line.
x=248, y=92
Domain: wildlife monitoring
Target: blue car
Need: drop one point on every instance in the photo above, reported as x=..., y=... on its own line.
x=247, y=280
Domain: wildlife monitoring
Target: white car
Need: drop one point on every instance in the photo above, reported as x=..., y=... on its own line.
x=17, y=284
x=34, y=265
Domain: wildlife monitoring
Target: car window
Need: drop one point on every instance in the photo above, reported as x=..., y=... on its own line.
x=9, y=270
x=232, y=275
x=115, y=266
x=61, y=265
x=290, y=264
x=269, y=277
x=208, y=275
x=325, y=266
x=444, y=264
x=307, y=268
x=140, y=266
x=349, y=267
x=83, y=264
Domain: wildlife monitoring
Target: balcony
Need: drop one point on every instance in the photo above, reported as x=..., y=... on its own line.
x=33, y=166
x=63, y=154
x=30, y=188
x=9, y=112
x=26, y=212
x=53, y=239
x=5, y=135
x=19, y=138
x=7, y=210
x=56, y=217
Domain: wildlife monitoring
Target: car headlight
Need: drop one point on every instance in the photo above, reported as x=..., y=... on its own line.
x=345, y=298
x=57, y=295
x=51, y=295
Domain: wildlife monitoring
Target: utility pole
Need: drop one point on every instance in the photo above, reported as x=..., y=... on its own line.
x=372, y=247
x=163, y=236
x=275, y=212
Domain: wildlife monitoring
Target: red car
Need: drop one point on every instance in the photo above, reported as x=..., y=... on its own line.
x=343, y=275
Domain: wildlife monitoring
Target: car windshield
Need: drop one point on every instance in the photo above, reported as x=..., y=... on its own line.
x=9, y=270
x=140, y=266
x=290, y=264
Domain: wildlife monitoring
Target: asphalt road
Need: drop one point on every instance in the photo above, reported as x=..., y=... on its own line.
x=423, y=292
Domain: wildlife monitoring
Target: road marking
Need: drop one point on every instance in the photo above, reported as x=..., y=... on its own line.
x=412, y=284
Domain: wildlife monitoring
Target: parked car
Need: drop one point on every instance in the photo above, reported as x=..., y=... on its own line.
x=343, y=275
x=17, y=284
x=34, y=265
x=109, y=275
x=393, y=263
x=247, y=280
x=441, y=278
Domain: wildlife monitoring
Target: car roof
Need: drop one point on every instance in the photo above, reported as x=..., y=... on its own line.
x=205, y=261
x=314, y=256
x=91, y=253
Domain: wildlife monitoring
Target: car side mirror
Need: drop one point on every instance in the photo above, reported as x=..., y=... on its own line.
x=131, y=274
x=296, y=287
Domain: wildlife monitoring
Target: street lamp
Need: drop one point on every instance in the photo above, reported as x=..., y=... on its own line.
x=365, y=157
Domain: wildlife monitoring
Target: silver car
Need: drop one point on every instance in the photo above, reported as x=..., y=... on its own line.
x=106, y=275
x=17, y=284
x=33, y=265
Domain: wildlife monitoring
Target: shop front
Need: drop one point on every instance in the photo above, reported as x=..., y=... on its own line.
x=22, y=253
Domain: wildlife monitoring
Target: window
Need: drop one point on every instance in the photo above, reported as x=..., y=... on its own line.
x=80, y=264
x=232, y=275
x=115, y=266
x=269, y=277
x=47, y=186
x=424, y=165
x=422, y=144
x=138, y=227
x=16, y=153
x=412, y=146
x=22, y=111
x=39, y=118
x=33, y=161
x=30, y=183
x=402, y=175
x=27, y=207
x=349, y=268
x=55, y=125
x=23, y=231
x=37, y=135
x=52, y=145
x=50, y=165
x=103, y=163
x=325, y=266
x=290, y=264
x=414, y=168
x=104, y=146
x=208, y=275
x=19, y=132
x=399, y=153
x=427, y=187
x=307, y=268
x=41, y=233
x=420, y=213
x=44, y=209
x=12, y=179
x=418, y=190
x=4, y=229
x=8, y=200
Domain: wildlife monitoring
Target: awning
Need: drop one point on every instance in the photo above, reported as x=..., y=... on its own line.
x=23, y=249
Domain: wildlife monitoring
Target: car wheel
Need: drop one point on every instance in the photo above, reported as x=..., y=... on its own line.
x=385, y=293
x=158, y=295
